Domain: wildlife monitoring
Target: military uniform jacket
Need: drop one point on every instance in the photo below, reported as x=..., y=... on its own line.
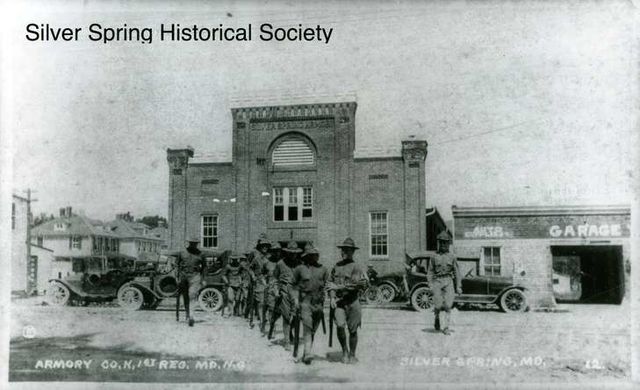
x=283, y=274
x=310, y=281
x=233, y=275
x=444, y=265
x=190, y=263
x=268, y=269
x=256, y=264
x=348, y=272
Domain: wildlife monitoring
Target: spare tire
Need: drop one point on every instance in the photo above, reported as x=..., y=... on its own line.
x=167, y=286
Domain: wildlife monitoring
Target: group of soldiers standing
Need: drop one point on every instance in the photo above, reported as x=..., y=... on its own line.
x=271, y=282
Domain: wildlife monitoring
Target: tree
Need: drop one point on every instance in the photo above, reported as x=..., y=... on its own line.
x=153, y=221
x=42, y=218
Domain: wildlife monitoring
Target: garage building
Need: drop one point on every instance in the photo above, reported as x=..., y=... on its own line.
x=577, y=254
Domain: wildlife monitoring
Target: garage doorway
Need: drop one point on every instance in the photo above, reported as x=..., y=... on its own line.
x=588, y=274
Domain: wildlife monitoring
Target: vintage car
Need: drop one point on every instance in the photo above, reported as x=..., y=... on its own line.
x=384, y=288
x=147, y=290
x=476, y=289
x=94, y=279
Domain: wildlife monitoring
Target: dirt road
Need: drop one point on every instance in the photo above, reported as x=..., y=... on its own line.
x=575, y=343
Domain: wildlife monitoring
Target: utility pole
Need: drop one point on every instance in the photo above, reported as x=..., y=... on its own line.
x=28, y=243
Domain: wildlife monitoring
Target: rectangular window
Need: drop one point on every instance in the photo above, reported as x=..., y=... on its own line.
x=491, y=257
x=13, y=216
x=379, y=233
x=209, y=231
x=292, y=203
x=76, y=242
x=307, y=203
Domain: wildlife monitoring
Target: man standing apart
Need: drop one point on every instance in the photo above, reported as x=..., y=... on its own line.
x=346, y=280
x=309, y=280
x=257, y=260
x=190, y=265
x=444, y=277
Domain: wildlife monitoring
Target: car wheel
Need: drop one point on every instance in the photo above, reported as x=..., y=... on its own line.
x=422, y=299
x=130, y=298
x=210, y=299
x=371, y=294
x=58, y=294
x=513, y=301
x=386, y=293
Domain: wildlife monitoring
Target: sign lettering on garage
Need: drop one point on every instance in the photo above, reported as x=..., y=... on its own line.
x=547, y=226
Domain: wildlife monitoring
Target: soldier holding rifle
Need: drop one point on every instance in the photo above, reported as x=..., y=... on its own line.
x=309, y=281
x=284, y=276
x=257, y=260
x=444, y=277
x=271, y=288
x=190, y=266
x=232, y=278
x=346, y=280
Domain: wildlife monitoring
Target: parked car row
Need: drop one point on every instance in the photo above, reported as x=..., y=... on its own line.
x=143, y=283
x=412, y=286
x=135, y=283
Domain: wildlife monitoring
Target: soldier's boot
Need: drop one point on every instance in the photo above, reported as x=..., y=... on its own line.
x=436, y=324
x=445, y=323
x=342, y=338
x=353, y=344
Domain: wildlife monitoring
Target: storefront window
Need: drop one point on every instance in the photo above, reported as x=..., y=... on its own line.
x=491, y=257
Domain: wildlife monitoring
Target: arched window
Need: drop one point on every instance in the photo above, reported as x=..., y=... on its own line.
x=292, y=151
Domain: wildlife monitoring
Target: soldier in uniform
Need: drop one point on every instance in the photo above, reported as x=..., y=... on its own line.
x=232, y=278
x=283, y=273
x=444, y=278
x=309, y=281
x=257, y=259
x=245, y=277
x=271, y=286
x=190, y=263
x=346, y=280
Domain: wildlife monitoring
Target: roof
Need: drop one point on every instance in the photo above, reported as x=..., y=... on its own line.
x=219, y=157
x=76, y=225
x=461, y=212
x=126, y=229
x=288, y=98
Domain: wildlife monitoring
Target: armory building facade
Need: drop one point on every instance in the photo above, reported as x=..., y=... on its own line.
x=295, y=175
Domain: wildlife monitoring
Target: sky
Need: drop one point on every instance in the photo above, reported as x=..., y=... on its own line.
x=527, y=103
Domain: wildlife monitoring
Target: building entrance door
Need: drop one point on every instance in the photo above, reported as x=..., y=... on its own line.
x=588, y=273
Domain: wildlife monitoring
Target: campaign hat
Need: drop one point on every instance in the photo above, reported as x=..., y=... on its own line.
x=348, y=243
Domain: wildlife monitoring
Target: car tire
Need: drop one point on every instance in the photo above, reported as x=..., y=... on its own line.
x=513, y=301
x=371, y=294
x=130, y=298
x=210, y=299
x=58, y=294
x=386, y=293
x=422, y=299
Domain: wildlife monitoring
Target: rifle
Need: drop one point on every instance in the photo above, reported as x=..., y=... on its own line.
x=324, y=325
x=296, y=333
x=274, y=317
x=332, y=317
x=251, y=303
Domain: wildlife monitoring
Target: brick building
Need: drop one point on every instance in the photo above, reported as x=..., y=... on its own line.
x=295, y=174
x=569, y=254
